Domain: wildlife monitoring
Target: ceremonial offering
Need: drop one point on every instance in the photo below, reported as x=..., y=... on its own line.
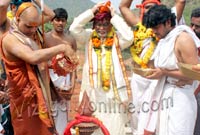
x=62, y=65
x=186, y=69
x=142, y=71
x=86, y=128
x=85, y=123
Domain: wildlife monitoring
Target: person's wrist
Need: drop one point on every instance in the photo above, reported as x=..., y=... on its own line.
x=164, y=72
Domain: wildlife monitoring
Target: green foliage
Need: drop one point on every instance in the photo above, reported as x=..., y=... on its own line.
x=188, y=10
x=47, y=27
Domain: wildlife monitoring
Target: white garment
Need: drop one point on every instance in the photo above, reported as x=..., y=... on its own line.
x=113, y=120
x=143, y=91
x=61, y=82
x=1, y=112
x=179, y=117
x=60, y=113
x=60, y=109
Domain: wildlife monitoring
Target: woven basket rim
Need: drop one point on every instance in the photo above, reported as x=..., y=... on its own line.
x=186, y=69
x=142, y=71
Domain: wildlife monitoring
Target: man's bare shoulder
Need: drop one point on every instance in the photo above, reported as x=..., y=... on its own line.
x=9, y=39
x=184, y=39
x=70, y=37
x=48, y=34
x=185, y=44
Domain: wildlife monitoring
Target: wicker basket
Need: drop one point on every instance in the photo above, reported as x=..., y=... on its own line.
x=142, y=72
x=186, y=69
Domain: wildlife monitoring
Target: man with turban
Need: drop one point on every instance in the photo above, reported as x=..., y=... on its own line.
x=104, y=76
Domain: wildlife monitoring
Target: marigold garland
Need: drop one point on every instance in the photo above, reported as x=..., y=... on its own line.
x=140, y=34
x=98, y=45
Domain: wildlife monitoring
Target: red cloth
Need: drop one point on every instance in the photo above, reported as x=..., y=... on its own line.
x=148, y=132
x=62, y=66
x=79, y=119
x=143, y=5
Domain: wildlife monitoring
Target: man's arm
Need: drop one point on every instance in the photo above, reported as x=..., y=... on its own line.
x=126, y=12
x=48, y=13
x=186, y=46
x=125, y=34
x=186, y=52
x=15, y=50
x=180, y=5
x=196, y=68
x=77, y=29
x=3, y=10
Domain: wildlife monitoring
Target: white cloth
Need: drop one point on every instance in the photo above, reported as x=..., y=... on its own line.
x=143, y=91
x=1, y=112
x=180, y=115
x=60, y=109
x=113, y=120
x=61, y=82
x=60, y=113
x=182, y=20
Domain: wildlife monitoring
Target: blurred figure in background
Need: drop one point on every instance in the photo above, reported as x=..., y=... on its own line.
x=195, y=25
x=64, y=85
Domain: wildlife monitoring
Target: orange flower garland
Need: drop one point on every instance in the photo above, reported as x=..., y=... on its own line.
x=104, y=74
x=97, y=42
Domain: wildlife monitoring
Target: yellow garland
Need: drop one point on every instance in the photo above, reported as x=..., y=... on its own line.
x=140, y=34
x=98, y=45
x=106, y=72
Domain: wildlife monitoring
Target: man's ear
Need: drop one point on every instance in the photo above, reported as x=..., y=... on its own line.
x=168, y=22
x=17, y=18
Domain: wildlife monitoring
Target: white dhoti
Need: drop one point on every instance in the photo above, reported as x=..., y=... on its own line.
x=60, y=113
x=142, y=91
x=173, y=120
x=179, y=116
x=60, y=109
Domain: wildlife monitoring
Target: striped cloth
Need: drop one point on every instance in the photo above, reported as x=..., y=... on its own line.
x=6, y=119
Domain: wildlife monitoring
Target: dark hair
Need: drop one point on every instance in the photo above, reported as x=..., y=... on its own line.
x=195, y=12
x=158, y=14
x=18, y=2
x=60, y=13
